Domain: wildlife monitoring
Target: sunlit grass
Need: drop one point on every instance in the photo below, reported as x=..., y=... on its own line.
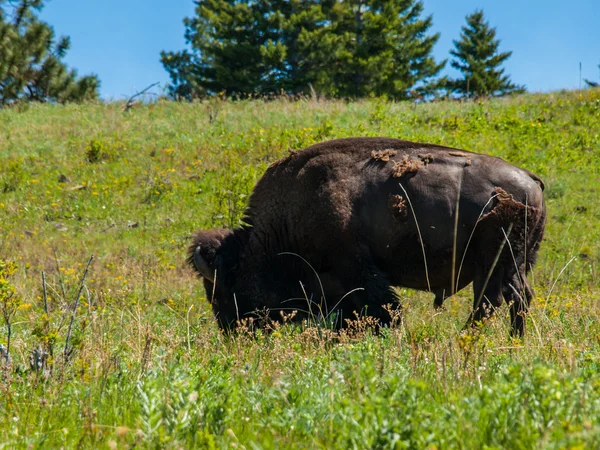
x=149, y=368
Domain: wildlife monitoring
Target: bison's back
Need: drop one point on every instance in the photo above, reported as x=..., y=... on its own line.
x=394, y=199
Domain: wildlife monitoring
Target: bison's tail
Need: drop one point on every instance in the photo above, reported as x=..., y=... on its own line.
x=518, y=224
x=535, y=235
x=537, y=179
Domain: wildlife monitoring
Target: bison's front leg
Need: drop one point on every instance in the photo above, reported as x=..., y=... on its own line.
x=368, y=293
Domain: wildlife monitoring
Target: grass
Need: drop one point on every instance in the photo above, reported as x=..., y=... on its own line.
x=146, y=366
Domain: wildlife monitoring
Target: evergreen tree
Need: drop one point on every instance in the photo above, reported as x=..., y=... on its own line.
x=235, y=50
x=240, y=47
x=343, y=48
x=477, y=57
x=382, y=48
x=30, y=59
x=305, y=28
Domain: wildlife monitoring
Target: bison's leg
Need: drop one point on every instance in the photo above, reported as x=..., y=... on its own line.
x=379, y=295
x=517, y=290
x=438, y=301
x=487, y=289
x=518, y=294
x=370, y=299
x=368, y=291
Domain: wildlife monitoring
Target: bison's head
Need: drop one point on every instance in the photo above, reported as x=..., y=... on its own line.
x=203, y=251
x=237, y=281
x=214, y=255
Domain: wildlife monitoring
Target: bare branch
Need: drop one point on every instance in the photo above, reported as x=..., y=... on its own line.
x=130, y=102
x=67, y=351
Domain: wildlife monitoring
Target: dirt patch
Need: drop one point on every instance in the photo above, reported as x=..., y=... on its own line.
x=406, y=165
x=383, y=155
x=427, y=158
x=397, y=206
x=507, y=209
x=459, y=154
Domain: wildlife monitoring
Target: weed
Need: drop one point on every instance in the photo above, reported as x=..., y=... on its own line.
x=98, y=150
x=156, y=187
x=12, y=175
x=9, y=302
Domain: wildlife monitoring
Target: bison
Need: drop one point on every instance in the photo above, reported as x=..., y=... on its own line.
x=334, y=227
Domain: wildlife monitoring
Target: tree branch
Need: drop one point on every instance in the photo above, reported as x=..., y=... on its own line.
x=67, y=351
x=130, y=102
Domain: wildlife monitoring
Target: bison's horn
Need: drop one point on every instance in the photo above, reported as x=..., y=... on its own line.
x=202, y=266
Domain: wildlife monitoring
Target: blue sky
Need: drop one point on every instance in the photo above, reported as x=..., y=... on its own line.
x=121, y=40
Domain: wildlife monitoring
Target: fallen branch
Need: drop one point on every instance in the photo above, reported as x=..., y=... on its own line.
x=67, y=351
x=130, y=102
x=45, y=294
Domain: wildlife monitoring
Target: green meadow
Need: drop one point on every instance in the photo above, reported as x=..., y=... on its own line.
x=126, y=353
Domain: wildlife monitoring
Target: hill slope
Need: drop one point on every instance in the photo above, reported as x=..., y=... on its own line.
x=147, y=365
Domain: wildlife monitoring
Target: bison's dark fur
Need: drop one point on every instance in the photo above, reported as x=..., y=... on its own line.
x=372, y=213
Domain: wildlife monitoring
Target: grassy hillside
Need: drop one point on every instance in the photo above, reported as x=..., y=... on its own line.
x=147, y=366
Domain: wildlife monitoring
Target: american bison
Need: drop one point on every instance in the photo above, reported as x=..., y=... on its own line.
x=333, y=227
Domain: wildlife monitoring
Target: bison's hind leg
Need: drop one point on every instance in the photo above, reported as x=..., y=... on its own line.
x=517, y=290
x=518, y=294
x=511, y=231
x=487, y=290
x=493, y=284
x=504, y=283
x=438, y=301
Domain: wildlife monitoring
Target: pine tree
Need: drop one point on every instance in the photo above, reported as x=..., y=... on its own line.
x=304, y=29
x=342, y=48
x=30, y=59
x=477, y=57
x=244, y=48
x=382, y=48
x=235, y=50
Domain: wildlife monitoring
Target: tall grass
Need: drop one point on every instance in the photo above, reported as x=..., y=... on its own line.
x=146, y=366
